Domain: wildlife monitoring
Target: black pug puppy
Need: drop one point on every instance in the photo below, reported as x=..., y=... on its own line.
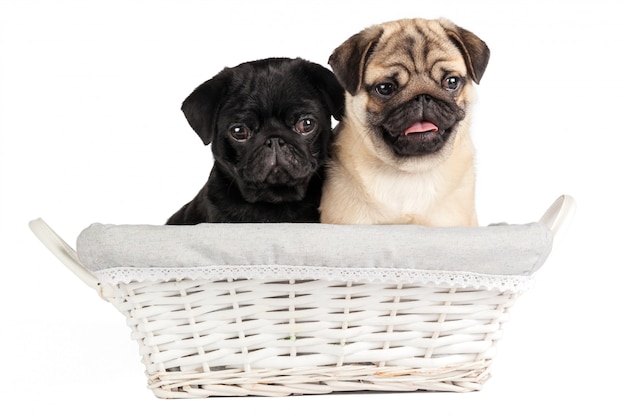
x=269, y=125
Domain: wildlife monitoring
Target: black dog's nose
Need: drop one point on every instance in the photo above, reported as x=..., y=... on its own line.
x=274, y=142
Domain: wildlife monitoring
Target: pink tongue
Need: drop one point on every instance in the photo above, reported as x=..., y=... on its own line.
x=421, y=127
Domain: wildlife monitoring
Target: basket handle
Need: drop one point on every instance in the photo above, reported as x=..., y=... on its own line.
x=63, y=252
x=559, y=215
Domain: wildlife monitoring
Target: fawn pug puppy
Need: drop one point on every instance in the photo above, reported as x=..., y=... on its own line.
x=402, y=153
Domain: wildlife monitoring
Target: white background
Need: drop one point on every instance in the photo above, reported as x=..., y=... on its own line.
x=91, y=131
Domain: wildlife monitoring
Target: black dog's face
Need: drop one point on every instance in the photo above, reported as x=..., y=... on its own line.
x=269, y=123
x=272, y=141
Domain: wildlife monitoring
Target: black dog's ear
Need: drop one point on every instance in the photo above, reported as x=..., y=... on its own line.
x=349, y=59
x=202, y=105
x=327, y=84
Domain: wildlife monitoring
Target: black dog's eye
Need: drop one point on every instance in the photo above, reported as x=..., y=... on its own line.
x=452, y=83
x=305, y=126
x=385, y=89
x=240, y=132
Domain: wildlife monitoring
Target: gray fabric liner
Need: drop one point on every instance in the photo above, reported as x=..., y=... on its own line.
x=498, y=250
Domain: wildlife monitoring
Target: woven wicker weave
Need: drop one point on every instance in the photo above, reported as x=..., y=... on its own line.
x=241, y=337
x=281, y=336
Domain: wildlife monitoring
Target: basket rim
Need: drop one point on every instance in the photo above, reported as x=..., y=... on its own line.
x=273, y=273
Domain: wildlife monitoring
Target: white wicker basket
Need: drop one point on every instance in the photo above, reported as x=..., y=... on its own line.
x=273, y=327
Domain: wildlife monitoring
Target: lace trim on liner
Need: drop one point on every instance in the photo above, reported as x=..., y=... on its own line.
x=126, y=275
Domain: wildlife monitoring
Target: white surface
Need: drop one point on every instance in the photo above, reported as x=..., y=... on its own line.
x=90, y=130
